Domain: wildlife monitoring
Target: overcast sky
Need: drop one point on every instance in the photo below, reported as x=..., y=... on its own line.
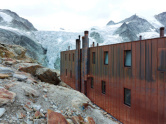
x=80, y=14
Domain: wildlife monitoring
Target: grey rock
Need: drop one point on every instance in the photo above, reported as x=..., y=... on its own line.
x=30, y=91
x=36, y=107
x=6, y=70
x=20, y=77
x=2, y=111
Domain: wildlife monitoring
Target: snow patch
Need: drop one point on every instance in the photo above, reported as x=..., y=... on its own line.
x=6, y=17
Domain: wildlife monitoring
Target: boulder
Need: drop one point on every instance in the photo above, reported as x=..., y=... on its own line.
x=3, y=76
x=28, y=67
x=55, y=118
x=6, y=96
x=47, y=75
x=90, y=120
x=20, y=77
x=78, y=120
x=6, y=70
x=2, y=111
x=30, y=91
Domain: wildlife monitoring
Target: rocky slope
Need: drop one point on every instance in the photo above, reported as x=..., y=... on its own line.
x=32, y=94
x=14, y=30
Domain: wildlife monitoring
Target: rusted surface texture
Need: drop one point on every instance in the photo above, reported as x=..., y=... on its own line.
x=146, y=78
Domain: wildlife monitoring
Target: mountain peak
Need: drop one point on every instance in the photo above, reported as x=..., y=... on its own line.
x=111, y=23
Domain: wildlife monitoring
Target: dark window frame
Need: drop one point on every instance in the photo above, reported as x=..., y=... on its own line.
x=105, y=57
x=92, y=82
x=103, y=87
x=126, y=101
x=125, y=51
x=93, y=57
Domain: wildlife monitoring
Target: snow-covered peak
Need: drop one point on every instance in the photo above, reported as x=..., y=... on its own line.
x=6, y=17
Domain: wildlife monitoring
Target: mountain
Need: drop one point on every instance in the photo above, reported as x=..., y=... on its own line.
x=161, y=18
x=15, y=30
x=111, y=23
x=11, y=19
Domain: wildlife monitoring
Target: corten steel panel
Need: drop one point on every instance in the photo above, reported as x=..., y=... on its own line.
x=161, y=89
x=147, y=83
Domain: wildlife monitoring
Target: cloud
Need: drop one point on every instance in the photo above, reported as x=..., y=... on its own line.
x=78, y=14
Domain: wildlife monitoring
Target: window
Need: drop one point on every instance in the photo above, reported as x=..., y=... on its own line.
x=93, y=57
x=106, y=57
x=65, y=57
x=127, y=57
x=70, y=73
x=69, y=57
x=66, y=72
x=92, y=82
x=127, y=96
x=103, y=87
x=162, y=59
x=73, y=57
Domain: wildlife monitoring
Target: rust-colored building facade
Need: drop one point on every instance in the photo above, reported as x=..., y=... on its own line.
x=128, y=80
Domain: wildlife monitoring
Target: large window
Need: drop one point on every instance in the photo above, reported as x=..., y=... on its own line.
x=127, y=57
x=103, y=86
x=93, y=57
x=106, y=57
x=127, y=96
x=92, y=82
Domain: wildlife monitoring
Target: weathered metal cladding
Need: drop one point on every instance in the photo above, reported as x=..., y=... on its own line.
x=146, y=78
x=68, y=65
x=77, y=65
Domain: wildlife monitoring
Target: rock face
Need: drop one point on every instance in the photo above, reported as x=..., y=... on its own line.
x=95, y=35
x=55, y=118
x=34, y=49
x=6, y=96
x=47, y=75
x=161, y=18
x=133, y=26
x=13, y=20
x=30, y=91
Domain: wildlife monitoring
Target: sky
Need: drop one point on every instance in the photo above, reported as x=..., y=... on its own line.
x=80, y=14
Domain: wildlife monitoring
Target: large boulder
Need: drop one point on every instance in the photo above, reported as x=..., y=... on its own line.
x=47, y=75
x=55, y=118
x=28, y=67
x=6, y=96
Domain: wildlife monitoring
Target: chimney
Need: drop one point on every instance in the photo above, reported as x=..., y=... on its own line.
x=68, y=47
x=93, y=45
x=97, y=44
x=140, y=37
x=162, y=32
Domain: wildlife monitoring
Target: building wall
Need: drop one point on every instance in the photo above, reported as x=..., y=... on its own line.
x=146, y=78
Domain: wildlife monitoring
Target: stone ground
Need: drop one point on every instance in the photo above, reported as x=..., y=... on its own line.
x=24, y=99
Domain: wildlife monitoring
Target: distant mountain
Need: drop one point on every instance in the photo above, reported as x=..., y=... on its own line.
x=132, y=27
x=111, y=23
x=161, y=18
x=11, y=19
